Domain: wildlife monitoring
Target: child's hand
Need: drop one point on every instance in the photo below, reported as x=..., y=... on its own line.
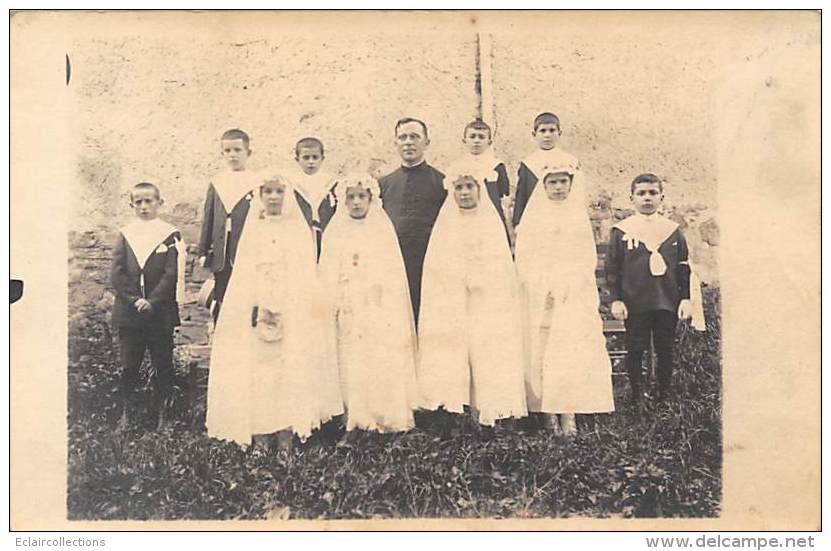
x=201, y=261
x=143, y=305
x=685, y=309
x=619, y=310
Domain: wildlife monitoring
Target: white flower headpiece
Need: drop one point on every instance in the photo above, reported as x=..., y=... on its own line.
x=449, y=181
x=270, y=176
x=364, y=181
x=556, y=169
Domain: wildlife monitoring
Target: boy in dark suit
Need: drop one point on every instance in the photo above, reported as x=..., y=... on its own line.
x=147, y=276
x=226, y=208
x=313, y=187
x=648, y=271
x=546, y=135
x=480, y=162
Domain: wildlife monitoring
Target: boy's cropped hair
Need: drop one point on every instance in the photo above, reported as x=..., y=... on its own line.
x=546, y=118
x=478, y=124
x=405, y=120
x=146, y=185
x=646, y=178
x=236, y=134
x=308, y=142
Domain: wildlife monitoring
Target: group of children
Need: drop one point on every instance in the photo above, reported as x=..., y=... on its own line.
x=374, y=299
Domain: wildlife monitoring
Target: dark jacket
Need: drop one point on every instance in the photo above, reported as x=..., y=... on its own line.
x=160, y=274
x=325, y=211
x=526, y=182
x=212, y=239
x=497, y=190
x=630, y=280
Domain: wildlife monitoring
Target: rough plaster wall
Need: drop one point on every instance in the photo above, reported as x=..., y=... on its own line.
x=627, y=105
x=155, y=110
x=632, y=97
x=153, y=107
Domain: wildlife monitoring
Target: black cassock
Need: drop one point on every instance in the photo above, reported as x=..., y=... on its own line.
x=412, y=197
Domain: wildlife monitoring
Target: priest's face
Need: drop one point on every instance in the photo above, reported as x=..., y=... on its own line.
x=411, y=141
x=647, y=197
x=272, y=195
x=357, y=202
x=309, y=159
x=547, y=135
x=477, y=140
x=558, y=186
x=466, y=193
x=145, y=203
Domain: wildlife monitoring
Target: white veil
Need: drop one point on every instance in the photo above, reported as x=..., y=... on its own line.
x=444, y=336
x=256, y=386
x=556, y=259
x=378, y=380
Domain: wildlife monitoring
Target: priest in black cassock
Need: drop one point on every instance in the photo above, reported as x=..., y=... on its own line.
x=412, y=196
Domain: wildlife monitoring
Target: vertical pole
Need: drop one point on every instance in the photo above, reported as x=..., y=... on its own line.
x=477, y=81
x=485, y=78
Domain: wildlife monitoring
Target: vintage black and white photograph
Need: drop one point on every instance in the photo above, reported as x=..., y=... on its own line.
x=399, y=265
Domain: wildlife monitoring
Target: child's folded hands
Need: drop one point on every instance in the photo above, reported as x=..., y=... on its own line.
x=143, y=305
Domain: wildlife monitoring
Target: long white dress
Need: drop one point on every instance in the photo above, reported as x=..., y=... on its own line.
x=262, y=379
x=567, y=365
x=371, y=319
x=470, y=348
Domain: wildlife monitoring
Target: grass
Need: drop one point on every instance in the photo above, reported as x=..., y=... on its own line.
x=666, y=463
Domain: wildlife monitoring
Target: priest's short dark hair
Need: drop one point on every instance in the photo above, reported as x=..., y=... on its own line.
x=405, y=120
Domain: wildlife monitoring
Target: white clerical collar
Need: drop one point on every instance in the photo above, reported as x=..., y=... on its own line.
x=418, y=164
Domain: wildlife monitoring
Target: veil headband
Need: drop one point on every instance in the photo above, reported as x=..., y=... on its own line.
x=363, y=181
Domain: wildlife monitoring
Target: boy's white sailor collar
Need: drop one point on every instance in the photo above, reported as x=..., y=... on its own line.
x=146, y=236
x=312, y=187
x=233, y=186
x=318, y=180
x=482, y=166
x=651, y=230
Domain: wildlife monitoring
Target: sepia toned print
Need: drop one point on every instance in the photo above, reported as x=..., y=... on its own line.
x=574, y=370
